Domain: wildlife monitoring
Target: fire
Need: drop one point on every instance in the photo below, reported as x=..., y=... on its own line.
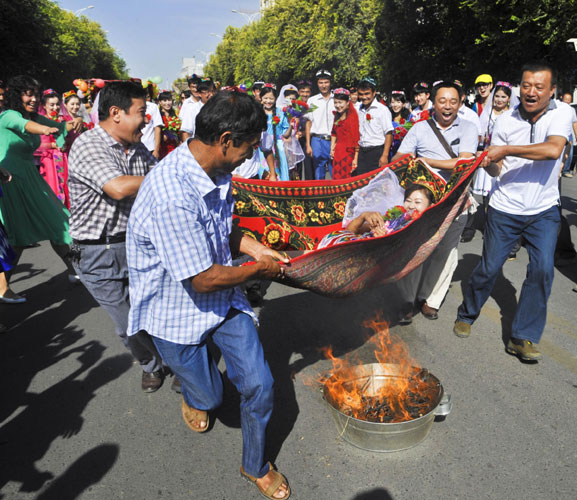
x=404, y=394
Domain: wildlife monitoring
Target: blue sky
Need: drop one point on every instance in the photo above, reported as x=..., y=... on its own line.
x=154, y=36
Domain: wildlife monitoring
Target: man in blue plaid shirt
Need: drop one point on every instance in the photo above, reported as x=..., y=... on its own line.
x=183, y=286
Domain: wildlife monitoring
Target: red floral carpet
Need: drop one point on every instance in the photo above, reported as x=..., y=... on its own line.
x=295, y=215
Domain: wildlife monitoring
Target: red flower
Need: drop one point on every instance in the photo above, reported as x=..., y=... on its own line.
x=369, y=117
x=298, y=212
x=148, y=117
x=275, y=120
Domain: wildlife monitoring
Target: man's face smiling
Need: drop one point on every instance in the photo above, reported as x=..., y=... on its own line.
x=237, y=155
x=324, y=85
x=446, y=105
x=421, y=98
x=367, y=96
x=130, y=124
x=536, y=92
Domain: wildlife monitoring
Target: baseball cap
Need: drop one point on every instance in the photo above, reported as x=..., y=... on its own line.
x=484, y=78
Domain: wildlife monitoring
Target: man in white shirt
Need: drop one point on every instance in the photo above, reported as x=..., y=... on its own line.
x=567, y=98
x=320, y=125
x=375, y=127
x=525, y=154
x=152, y=132
x=206, y=89
x=441, y=141
x=421, y=94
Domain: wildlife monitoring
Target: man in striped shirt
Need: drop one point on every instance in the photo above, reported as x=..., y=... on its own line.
x=184, y=289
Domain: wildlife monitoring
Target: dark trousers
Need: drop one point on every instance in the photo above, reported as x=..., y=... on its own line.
x=104, y=273
x=305, y=167
x=369, y=159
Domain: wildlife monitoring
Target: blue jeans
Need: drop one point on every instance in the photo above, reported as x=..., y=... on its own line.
x=502, y=231
x=237, y=339
x=321, y=157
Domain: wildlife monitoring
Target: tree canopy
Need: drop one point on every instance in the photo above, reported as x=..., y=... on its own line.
x=55, y=46
x=399, y=41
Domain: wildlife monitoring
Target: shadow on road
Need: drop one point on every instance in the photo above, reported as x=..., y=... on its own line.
x=55, y=412
x=87, y=470
x=376, y=494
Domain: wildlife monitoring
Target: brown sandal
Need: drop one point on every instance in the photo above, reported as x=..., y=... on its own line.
x=193, y=417
x=272, y=487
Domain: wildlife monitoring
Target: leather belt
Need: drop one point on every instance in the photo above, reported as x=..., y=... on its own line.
x=322, y=136
x=104, y=240
x=370, y=148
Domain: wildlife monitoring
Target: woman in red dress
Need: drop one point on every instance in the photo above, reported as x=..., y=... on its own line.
x=170, y=138
x=344, y=136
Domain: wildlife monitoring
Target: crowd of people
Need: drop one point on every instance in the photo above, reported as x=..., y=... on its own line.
x=132, y=188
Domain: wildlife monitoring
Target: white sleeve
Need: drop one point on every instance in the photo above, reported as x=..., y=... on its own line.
x=187, y=117
x=562, y=125
x=157, y=117
x=388, y=121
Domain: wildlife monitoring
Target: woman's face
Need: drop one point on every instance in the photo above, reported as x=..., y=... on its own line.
x=396, y=105
x=166, y=104
x=418, y=201
x=30, y=100
x=500, y=100
x=268, y=100
x=340, y=105
x=73, y=106
x=52, y=106
x=354, y=97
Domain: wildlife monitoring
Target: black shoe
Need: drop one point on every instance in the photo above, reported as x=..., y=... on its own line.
x=465, y=238
x=254, y=295
x=175, y=386
x=152, y=381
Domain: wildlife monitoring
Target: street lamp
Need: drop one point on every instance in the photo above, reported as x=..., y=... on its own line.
x=249, y=15
x=83, y=9
x=206, y=54
x=216, y=35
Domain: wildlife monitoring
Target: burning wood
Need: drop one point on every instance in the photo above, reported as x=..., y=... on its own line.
x=401, y=391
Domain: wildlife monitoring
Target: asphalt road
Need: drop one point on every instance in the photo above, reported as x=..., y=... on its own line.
x=74, y=423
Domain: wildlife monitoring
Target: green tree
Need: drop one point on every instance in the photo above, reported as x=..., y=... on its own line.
x=54, y=45
x=297, y=37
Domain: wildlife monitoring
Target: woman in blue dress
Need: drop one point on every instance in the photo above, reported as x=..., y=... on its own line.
x=278, y=129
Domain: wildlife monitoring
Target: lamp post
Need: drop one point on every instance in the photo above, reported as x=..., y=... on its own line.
x=83, y=9
x=249, y=15
x=216, y=35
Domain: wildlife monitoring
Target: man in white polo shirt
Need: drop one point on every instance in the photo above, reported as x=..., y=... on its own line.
x=319, y=126
x=441, y=141
x=375, y=127
x=525, y=154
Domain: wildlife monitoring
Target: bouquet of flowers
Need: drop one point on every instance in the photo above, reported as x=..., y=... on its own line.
x=425, y=115
x=401, y=129
x=397, y=217
x=298, y=109
x=172, y=123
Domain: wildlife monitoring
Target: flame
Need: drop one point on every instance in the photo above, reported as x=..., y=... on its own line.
x=397, y=398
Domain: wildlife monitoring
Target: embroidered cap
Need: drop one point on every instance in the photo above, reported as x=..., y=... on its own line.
x=421, y=87
x=341, y=91
x=323, y=73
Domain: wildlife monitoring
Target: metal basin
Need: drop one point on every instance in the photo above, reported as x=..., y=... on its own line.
x=386, y=437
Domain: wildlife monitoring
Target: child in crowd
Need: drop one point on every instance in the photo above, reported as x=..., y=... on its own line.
x=370, y=224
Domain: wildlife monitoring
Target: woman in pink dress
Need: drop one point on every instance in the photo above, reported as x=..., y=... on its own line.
x=53, y=165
